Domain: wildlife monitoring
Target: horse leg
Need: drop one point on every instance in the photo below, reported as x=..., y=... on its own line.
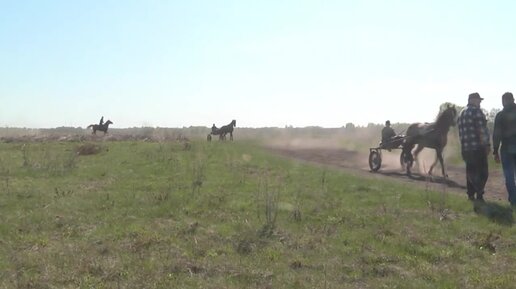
x=440, y=157
x=231, y=136
x=407, y=152
x=434, y=163
x=416, y=152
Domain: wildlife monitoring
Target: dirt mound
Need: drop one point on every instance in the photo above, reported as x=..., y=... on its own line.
x=88, y=149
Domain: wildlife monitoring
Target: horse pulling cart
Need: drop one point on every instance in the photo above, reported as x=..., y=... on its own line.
x=420, y=135
x=375, y=154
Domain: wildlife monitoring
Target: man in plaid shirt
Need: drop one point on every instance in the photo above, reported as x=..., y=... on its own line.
x=474, y=140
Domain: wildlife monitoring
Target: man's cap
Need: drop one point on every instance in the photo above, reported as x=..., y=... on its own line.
x=388, y=122
x=475, y=95
x=508, y=95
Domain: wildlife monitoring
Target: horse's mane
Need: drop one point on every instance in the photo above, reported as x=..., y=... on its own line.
x=446, y=116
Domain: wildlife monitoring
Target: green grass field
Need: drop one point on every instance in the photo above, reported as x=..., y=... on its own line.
x=229, y=215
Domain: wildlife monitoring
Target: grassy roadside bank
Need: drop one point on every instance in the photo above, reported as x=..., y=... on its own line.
x=229, y=215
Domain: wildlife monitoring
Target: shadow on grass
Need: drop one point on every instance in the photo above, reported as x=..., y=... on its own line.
x=424, y=178
x=495, y=212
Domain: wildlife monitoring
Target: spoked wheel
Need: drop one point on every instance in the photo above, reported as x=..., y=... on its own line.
x=375, y=160
x=406, y=161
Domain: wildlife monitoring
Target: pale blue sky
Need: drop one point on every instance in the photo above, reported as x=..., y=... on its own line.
x=263, y=63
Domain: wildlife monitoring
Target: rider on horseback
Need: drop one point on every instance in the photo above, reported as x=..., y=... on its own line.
x=101, y=126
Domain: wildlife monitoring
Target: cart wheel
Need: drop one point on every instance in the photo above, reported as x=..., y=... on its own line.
x=375, y=161
x=406, y=162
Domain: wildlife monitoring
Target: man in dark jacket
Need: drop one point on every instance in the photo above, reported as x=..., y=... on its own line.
x=474, y=140
x=387, y=132
x=388, y=135
x=505, y=132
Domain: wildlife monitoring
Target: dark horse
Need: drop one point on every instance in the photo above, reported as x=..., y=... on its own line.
x=431, y=135
x=100, y=127
x=227, y=129
x=221, y=132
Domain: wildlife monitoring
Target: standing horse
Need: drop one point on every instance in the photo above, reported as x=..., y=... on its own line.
x=225, y=130
x=431, y=135
x=100, y=127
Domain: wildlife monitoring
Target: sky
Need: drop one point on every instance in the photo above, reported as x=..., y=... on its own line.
x=263, y=63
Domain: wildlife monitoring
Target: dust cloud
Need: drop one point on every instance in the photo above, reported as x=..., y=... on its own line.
x=352, y=148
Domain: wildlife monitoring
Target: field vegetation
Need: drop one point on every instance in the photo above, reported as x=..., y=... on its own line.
x=169, y=212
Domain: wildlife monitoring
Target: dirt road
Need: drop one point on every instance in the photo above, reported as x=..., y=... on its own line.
x=357, y=163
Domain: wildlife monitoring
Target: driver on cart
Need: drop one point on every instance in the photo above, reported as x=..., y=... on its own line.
x=387, y=132
x=389, y=138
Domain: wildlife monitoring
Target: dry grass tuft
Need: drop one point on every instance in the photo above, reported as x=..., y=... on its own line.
x=88, y=149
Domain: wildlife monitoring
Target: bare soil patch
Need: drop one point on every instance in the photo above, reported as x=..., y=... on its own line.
x=356, y=162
